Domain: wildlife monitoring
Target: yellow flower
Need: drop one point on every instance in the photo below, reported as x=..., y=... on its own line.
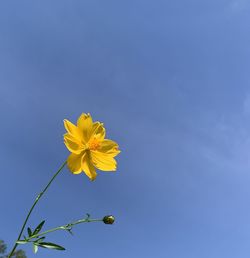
x=88, y=146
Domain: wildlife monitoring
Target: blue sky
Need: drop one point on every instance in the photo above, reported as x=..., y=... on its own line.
x=170, y=80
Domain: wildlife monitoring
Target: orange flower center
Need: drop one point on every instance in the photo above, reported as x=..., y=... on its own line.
x=94, y=144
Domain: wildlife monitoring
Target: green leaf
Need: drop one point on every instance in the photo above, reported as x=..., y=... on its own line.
x=38, y=228
x=35, y=248
x=40, y=239
x=51, y=246
x=29, y=232
x=21, y=242
x=70, y=231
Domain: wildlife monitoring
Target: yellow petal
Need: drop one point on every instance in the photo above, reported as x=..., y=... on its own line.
x=85, y=124
x=73, y=144
x=72, y=129
x=95, y=126
x=103, y=161
x=98, y=131
x=109, y=147
x=88, y=167
x=74, y=163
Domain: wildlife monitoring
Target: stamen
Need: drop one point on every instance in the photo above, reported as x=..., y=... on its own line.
x=94, y=144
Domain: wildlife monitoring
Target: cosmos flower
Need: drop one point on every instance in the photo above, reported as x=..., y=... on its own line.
x=89, y=148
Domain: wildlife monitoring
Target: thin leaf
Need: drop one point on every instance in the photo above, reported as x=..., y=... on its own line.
x=35, y=248
x=29, y=232
x=70, y=231
x=51, y=246
x=40, y=239
x=38, y=228
x=21, y=242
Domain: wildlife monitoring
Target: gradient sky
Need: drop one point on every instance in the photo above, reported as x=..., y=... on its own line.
x=170, y=80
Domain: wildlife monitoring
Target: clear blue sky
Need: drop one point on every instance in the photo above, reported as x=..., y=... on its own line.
x=170, y=80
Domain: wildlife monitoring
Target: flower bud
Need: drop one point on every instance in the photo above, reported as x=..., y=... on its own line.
x=109, y=219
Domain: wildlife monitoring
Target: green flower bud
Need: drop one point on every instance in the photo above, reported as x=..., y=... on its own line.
x=109, y=219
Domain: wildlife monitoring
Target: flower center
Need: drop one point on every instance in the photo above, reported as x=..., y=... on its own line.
x=94, y=144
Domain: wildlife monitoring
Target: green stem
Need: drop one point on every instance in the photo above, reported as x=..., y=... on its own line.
x=63, y=227
x=33, y=206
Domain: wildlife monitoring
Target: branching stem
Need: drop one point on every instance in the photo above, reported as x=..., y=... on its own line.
x=67, y=227
x=33, y=206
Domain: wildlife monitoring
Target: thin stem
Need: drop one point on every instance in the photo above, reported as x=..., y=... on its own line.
x=33, y=206
x=63, y=227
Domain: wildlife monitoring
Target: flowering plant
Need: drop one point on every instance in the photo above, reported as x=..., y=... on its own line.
x=89, y=150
